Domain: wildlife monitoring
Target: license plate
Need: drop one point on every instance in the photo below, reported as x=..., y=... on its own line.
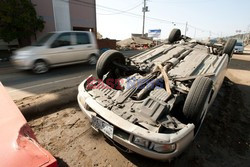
x=103, y=126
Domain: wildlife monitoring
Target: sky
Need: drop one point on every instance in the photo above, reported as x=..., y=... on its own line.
x=117, y=19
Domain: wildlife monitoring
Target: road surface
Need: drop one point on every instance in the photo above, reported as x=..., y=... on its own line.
x=21, y=84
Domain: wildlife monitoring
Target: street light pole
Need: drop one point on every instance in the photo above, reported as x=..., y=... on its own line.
x=248, y=34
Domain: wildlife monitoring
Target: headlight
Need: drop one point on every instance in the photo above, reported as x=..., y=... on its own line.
x=82, y=100
x=140, y=141
x=163, y=148
x=20, y=57
x=160, y=148
x=24, y=53
x=84, y=104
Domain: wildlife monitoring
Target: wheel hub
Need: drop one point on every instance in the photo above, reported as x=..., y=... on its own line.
x=92, y=60
x=40, y=67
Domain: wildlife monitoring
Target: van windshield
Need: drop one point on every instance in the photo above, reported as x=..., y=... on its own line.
x=43, y=40
x=239, y=44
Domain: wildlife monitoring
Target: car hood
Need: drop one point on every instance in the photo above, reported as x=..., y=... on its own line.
x=18, y=143
x=29, y=50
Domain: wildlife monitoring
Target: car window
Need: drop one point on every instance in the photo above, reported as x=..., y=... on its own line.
x=43, y=40
x=62, y=40
x=82, y=38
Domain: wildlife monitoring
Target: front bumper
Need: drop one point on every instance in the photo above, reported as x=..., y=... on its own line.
x=238, y=51
x=125, y=131
x=21, y=64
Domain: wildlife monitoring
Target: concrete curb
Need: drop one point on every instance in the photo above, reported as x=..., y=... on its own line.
x=33, y=105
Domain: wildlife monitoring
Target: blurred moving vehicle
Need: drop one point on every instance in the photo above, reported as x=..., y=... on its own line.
x=57, y=49
x=19, y=146
x=239, y=47
x=154, y=103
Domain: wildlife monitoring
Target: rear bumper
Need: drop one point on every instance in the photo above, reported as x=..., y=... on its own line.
x=124, y=131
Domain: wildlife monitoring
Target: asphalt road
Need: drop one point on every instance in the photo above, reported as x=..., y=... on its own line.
x=21, y=84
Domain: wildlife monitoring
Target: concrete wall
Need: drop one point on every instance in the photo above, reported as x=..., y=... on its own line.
x=62, y=15
x=44, y=8
x=83, y=14
x=66, y=14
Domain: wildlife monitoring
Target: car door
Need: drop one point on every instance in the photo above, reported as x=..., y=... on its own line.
x=61, y=49
x=83, y=47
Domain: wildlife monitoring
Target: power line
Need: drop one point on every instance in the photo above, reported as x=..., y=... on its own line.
x=87, y=4
x=203, y=30
x=182, y=2
x=122, y=11
x=126, y=12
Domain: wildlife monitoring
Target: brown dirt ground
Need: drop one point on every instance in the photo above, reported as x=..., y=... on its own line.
x=224, y=139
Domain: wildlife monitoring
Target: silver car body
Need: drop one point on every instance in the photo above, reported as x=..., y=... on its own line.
x=239, y=47
x=72, y=53
x=142, y=138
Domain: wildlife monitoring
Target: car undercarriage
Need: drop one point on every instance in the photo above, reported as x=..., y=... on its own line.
x=163, y=92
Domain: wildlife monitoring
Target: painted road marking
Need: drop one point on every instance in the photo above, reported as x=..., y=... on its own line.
x=44, y=84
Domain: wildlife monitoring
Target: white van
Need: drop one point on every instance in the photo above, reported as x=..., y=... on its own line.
x=57, y=49
x=239, y=47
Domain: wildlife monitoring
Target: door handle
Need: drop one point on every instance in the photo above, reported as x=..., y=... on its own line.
x=89, y=46
x=70, y=48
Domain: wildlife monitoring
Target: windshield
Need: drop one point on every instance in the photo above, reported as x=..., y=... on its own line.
x=43, y=40
x=239, y=44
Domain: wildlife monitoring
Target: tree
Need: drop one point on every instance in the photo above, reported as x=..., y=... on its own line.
x=18, y=20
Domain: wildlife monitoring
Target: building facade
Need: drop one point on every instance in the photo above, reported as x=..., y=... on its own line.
x=64, y=15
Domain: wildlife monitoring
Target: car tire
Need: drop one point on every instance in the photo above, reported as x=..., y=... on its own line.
x=40, y=66
x=104, y=63
x=197, y=98
x=175, y=35
x=92, y=60
x=229, y=47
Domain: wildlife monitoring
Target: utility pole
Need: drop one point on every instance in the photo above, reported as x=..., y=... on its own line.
x=248, y=34
x=144, y=10
x=186, y=28
x=194, y=32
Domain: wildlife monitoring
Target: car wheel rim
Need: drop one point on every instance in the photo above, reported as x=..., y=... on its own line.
x=92, y=60
x=40, y=68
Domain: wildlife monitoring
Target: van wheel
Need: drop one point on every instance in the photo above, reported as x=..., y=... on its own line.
x=40, y=67
x=92, y=60
x=229, y=47
x=175, y=35
x=104, y=64
x=197, y=99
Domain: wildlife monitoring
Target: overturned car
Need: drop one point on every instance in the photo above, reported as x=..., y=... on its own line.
x=155, y=102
